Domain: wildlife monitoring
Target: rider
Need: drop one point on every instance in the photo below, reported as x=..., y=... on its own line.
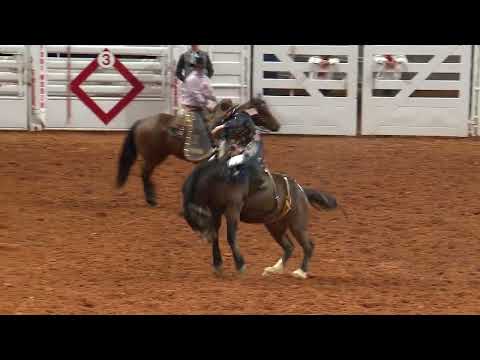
x=197, y=91
x=243, y=138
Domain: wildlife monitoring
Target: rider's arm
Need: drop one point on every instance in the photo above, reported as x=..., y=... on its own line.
x=209, y=92
x=217, y=129
x=180, y=68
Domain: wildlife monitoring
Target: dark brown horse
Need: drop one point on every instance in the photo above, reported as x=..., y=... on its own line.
x=156, y=138
x=210, y=192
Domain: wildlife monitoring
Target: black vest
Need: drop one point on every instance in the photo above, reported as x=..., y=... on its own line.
x=188, y=57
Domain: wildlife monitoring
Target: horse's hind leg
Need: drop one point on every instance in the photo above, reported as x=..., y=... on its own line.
x=233, y=217
x=299, y=231
x=148, y=187
x=217, y=255
x=279, y=233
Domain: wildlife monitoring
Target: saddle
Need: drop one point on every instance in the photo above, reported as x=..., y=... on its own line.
x=187, y=125
x=194, y=130
x=280, y=210
x=177, y=126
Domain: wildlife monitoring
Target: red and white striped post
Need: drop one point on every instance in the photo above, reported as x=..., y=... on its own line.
x=39, y=86
x=69, y=80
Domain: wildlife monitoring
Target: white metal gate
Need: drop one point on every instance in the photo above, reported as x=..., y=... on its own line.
x=231, y=64
x=312, y=89
x=426, y=94
x=150, y=64
x=13, y=87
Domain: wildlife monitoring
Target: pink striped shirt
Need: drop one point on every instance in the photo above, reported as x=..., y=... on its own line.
x=196, y=90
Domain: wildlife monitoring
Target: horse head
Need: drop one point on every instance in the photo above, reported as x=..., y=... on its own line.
x=219, y=111
x=263, y=117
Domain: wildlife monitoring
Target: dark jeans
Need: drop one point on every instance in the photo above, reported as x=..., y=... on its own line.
x=201, y=132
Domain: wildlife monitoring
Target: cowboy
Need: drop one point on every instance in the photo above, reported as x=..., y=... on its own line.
x=184, y=67
x=245, y=144
x=196, y=94
x=197, y=89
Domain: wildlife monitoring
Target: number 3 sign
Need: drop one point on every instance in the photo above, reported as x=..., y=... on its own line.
x=106, y=59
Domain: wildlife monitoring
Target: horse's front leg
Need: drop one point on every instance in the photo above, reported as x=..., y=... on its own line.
x=233, y=218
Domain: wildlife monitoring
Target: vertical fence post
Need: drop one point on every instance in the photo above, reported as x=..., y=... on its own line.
x=39, y=87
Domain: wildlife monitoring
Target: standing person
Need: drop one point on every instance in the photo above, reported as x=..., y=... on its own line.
x=184, y=66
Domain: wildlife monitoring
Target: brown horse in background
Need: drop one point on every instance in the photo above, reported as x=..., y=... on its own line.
x=157, y=137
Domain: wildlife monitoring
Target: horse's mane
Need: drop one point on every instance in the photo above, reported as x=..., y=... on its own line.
x=212, y=171
x=190, y=184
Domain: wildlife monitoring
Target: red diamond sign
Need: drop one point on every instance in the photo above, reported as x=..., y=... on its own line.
x=106, y=60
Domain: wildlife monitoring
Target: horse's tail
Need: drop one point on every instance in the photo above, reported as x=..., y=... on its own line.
x=127, y=157
x=320, y=200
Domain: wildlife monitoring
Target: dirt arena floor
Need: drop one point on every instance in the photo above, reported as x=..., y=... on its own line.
x=70, y=243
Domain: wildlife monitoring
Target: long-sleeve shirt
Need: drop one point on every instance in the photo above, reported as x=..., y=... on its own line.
x=196, y=91
x=184, y=67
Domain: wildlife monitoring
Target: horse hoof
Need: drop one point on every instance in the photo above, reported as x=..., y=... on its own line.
x=299, y=274
x=275, y=269
x=152, y=204
x=267, y=272
x=218, y=271
x=242, y=269
x=272, y=270
x=205, y=238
